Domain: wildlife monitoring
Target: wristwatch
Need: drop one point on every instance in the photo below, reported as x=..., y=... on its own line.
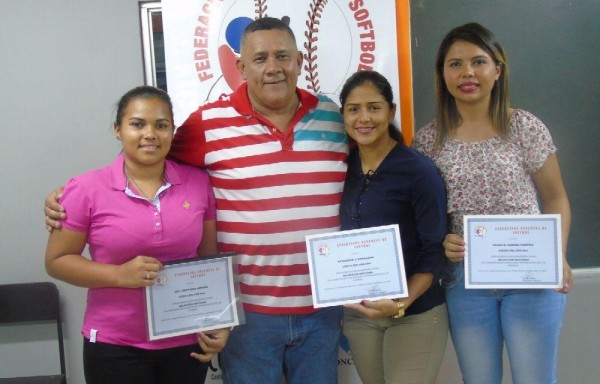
x=400, y=306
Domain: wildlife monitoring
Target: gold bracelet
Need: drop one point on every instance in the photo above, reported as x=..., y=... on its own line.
x=400, y=307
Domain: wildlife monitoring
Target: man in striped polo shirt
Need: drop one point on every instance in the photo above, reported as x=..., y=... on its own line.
x=276, y=156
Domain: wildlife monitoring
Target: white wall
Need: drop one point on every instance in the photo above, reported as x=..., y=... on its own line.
x=63, y=65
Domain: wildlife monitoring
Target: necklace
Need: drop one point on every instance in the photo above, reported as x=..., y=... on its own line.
x=137, y=187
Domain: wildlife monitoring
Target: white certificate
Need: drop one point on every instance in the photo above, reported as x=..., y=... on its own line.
x=350, y=266
x=513, y=251
x=191, y=296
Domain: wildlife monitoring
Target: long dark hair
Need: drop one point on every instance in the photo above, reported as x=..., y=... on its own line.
x=383, y=87
x=447, y=116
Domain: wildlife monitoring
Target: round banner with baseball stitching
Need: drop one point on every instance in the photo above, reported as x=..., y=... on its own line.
x=336, y=38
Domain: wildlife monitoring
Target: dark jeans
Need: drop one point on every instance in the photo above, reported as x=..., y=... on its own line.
x=114, y=364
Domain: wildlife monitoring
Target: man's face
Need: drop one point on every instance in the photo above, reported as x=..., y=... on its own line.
x=270, y=63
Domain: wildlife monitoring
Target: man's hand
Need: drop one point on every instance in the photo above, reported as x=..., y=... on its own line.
x=211, y=342
x=53, y=210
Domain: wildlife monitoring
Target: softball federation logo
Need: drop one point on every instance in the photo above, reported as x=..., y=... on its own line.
x=481, y=231
x=323, y=250
x=336, y=39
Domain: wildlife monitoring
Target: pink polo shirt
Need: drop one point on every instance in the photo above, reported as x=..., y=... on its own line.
x=120, y=227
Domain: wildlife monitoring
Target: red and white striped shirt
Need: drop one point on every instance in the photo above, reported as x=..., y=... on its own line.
x=272, y=189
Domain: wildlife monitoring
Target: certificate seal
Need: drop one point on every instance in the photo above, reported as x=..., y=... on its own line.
x=161, y=280
x=481, y=231
x=323, y=250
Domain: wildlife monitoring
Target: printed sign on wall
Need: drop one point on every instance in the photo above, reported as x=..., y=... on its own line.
x=337, y=38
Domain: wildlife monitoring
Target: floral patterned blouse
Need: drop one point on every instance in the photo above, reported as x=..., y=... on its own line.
x=493, y=176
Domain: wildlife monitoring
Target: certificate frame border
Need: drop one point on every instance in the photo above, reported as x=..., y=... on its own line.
x=235, y=316
x=310, y=239
x=553, y=219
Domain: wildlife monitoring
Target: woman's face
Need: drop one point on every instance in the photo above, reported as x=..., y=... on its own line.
x=146, y=131
x=470, y=73
x=367, y=116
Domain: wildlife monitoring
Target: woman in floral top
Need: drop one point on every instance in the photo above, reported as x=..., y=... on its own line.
x=494, y=160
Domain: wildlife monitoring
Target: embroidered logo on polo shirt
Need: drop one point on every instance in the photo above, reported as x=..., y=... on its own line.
x=187, y=205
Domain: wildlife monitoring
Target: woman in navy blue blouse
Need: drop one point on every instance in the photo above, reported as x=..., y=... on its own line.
x=401, y=340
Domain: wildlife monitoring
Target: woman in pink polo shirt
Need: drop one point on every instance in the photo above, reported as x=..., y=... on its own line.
x=136, y=213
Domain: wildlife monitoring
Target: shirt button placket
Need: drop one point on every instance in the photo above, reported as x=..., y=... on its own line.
x=157, y=226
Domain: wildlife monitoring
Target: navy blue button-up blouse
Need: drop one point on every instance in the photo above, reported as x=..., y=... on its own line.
x=407, y=190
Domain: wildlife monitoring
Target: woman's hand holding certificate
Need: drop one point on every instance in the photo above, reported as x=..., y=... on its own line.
x=351, y=266
x=192, y=296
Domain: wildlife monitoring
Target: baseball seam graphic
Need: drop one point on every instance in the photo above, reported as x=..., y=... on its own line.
x=260, y=8
x=314, y=16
